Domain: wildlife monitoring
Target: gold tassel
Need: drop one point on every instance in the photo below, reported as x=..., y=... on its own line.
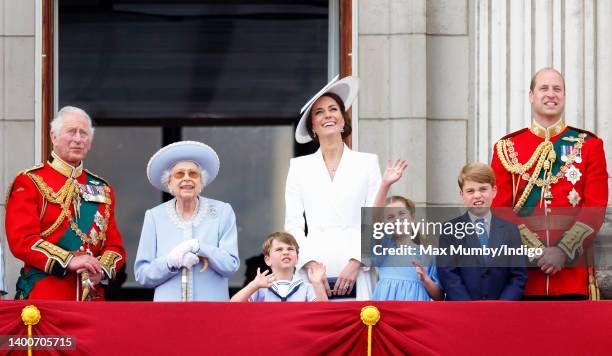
x=84, y=285
x=370, y=315
x=593, y=287
x=30, y=316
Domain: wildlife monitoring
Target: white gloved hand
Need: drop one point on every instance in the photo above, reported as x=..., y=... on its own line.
x=174, y=258
x=192, y=245
x=189, y=260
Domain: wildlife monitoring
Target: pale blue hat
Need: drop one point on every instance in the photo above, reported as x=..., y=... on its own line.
x=170, y=155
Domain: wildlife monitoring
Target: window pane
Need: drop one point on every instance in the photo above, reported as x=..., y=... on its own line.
x=120, y=155
x=254, y=165
x=166, y=59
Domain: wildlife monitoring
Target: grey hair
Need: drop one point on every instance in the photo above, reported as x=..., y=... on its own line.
x=165, y=177
x=58, y=120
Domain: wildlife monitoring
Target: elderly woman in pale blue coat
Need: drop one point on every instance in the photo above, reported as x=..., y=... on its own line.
x=188, y=246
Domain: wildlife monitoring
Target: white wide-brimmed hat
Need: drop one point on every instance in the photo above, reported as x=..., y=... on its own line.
x=170, y=155
x=346, y=88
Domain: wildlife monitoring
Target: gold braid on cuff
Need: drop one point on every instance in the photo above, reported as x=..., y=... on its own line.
x=530, y=238
x=54, y=254
x=108, y=262
x=572, y=240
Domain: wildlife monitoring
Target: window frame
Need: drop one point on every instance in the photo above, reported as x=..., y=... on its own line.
x=49, y=72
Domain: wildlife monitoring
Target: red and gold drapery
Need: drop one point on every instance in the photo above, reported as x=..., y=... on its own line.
x=416, y=328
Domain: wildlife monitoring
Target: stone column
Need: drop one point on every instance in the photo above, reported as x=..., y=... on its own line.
x=17, y=48
x=413, y=103
x=392, y=99
x=448, y=121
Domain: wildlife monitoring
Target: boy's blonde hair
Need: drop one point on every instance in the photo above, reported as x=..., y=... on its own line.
x=282, y=237
x=476, y=172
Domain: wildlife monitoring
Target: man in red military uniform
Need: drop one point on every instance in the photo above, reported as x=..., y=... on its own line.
x=553, y=181
x=60, y=219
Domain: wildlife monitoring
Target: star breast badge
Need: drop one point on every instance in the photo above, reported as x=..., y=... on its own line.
x=573, y=174
x=573, y=197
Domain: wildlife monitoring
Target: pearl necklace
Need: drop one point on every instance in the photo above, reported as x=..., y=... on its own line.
x=179, y=213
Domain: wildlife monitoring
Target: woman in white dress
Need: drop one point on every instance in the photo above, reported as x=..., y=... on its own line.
x=327, y=189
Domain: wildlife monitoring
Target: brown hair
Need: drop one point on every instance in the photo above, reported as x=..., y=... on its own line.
x=347, y=120
x=409, y=204
x=282, y=237
x=476, y=172
x=545, y=69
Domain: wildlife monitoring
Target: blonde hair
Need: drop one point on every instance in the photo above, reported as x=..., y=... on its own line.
x=282, y=237
x=476, y=172
x=409, y=204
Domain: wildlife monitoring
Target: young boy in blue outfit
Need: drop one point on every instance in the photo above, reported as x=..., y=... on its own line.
x=281, y=254
x=481, y=276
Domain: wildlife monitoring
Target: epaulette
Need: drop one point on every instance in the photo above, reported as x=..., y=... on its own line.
x=10, y=186
x=512, y=134
x=31, y=169
x=583, y=131
x=7, y=195
x=96, y=176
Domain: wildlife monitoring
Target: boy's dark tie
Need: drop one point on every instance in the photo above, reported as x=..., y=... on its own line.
x=483, y=237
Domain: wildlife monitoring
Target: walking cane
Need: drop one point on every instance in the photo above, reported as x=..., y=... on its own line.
x=184, y=284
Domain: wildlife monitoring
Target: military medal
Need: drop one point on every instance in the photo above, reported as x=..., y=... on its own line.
x=573, y=197
x=94, y=193
x=578, y=155
x=93, y=236
x=576, y=148
x=565, y=151
x=573, y=174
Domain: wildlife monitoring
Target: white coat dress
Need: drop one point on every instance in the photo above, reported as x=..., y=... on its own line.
x=332, y=209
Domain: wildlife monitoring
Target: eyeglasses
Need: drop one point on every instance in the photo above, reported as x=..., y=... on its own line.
x=193, y=174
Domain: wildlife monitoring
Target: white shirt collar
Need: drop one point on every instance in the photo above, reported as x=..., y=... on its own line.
x=486, y=217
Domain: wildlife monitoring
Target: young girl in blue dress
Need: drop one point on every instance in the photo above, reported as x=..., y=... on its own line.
x=397, y=279
x=402, y=282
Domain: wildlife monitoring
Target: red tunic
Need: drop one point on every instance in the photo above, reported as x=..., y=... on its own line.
x=30, y=214
x=586, y=203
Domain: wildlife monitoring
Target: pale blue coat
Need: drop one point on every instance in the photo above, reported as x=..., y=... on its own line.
x=214, y=226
